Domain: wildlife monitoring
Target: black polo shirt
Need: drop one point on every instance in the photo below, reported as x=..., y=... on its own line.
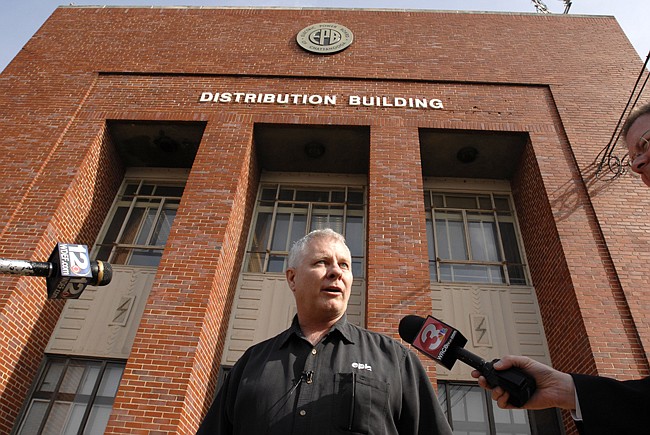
x=352, y=381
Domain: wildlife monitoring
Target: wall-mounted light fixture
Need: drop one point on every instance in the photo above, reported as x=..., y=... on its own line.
x=314, y=150
x=166, y=143
x=467, y=154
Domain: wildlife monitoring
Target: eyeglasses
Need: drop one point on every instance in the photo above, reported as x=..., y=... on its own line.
x=641, y=147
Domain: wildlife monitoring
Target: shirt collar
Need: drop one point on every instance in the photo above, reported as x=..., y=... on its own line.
x=341, y=327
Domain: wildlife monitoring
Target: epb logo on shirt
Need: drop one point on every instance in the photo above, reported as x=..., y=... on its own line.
x=361, y=366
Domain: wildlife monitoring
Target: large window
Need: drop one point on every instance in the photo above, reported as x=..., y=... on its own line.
x=72, y=396
x=473, y=238
x=284, y=214
x=140, y=224
x=470, y=411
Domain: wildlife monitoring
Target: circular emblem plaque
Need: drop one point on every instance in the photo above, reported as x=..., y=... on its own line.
x=325, y=38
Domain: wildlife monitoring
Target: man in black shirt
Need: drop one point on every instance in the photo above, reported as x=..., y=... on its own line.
x=324, y=375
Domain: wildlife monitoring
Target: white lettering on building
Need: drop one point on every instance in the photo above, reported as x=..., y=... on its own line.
x=415, y=103
x=247, y=98
x=320, y=100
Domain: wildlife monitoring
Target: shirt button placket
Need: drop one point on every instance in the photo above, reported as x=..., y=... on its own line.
x=306, y=394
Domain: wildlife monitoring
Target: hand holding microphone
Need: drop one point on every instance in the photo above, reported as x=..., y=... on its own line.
x=554, y=389
x=444, y=344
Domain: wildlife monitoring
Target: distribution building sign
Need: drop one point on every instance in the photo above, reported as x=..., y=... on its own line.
x=321, y=100
x=322, y=38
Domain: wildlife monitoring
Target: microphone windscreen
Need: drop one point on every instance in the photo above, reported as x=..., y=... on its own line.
x=107, y=275
x=410, y=326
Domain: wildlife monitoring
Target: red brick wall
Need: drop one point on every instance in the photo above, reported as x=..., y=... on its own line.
x=565, y=332
x=546, y=75
x=398, y=263
x=62, y=204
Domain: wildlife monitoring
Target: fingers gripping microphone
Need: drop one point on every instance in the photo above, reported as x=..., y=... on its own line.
x=444, y=344
x=68, y=271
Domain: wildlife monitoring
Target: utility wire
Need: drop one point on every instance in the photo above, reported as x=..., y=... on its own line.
x=615, y=165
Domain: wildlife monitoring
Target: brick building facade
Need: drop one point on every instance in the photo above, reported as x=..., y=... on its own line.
x=190, y=146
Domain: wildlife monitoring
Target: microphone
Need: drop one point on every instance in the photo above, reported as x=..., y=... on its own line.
x=68, y=271
x=444, y=345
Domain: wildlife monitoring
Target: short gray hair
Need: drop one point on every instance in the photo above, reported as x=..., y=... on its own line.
x=298, y=248
x=636, y=113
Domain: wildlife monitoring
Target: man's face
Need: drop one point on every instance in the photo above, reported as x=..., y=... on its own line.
x=321, y=281
x=637, y=138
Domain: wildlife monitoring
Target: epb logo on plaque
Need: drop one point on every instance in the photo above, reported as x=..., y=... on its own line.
x=325, y=38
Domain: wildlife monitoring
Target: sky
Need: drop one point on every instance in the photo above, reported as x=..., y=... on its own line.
x=20, y=19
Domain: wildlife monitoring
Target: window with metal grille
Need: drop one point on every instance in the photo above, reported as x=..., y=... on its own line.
x=141, y=220
x=473, y=238
x=284, y=214
x=72, y=396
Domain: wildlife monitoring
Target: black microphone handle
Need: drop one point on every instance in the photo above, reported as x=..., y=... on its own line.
x=469, y=358
x=519, y=384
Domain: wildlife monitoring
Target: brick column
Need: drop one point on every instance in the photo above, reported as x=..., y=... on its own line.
x=398, y=268
x=587, y=320
x=66, y=201
x=170, y=376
